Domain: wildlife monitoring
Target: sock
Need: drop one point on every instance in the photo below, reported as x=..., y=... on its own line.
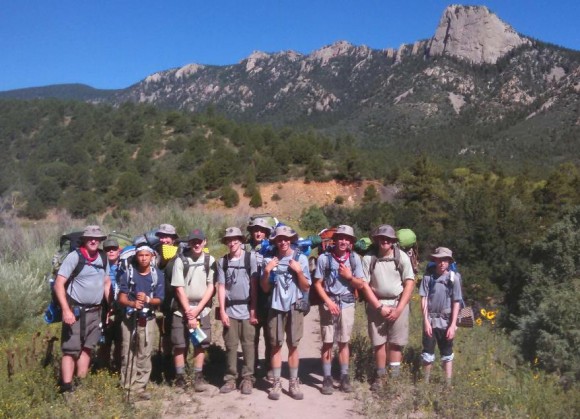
x=381, y=372
x=343, y=369
x=180, y=370
x=326, y=369
x=395, y=369
x=197, y=370
x=293, y=373
x=277, y=372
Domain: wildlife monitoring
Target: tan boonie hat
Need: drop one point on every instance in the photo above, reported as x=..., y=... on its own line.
x=284, y=231
x=345, y=231
x=259, y=222
x=93, y=232
x=233, y=232
x=167, y=230
x=443, y=253
x=384, y=230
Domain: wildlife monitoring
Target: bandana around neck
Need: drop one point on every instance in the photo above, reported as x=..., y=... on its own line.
x=86, y=255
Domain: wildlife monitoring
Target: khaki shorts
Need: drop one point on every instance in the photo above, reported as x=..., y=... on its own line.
x=344, y=324
x=289, y=322
x=180, y=331
x=381, y=331
x=71, y=335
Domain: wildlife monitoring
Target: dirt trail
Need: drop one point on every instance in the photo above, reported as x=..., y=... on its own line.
x=212, y=404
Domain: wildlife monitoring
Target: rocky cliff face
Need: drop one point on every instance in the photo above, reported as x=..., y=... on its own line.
x=474, y=34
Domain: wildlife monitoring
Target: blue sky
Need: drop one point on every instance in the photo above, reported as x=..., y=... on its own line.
x=115, y=43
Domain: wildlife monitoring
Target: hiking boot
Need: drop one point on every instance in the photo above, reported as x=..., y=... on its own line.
x=327, y=386
x=294, y=389
x=199, y=383
x=345, y=383
x=180, y=381
x=143, y=395
x=275, y=391
x=228, y=387
x=246, y=386
x=270, y=376
x=378, y=383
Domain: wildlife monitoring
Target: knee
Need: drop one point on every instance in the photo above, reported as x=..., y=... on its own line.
x=447, y=358
x=427, y=358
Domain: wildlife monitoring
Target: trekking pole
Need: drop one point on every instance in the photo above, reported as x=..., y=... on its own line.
x=130, y=353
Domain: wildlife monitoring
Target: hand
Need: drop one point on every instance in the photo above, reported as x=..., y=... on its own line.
x=451, y=332
x=428, y=329
x=253, y=318
x=68, y=317
x=333, y=308
x=225, y=319
x=393, y=314
x=141, y=296
x=192, y=313
x=272, y=264
x=295, y=266
x=139, y=305
x=345, y=272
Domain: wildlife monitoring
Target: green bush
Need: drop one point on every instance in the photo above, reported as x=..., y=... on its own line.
x=229, y=196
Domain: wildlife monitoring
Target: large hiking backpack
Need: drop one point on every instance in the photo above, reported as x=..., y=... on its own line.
x=68, y=243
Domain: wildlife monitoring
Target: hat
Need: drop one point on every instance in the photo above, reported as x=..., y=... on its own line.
x=384, y=230
x=284, y=231
x=93, y=232
x=167, y=230
x=442, y=253
x=196, y=234
x=345, y=231
x=233, y=232
x=144, y=248
x=110, y=243
x=259, y=222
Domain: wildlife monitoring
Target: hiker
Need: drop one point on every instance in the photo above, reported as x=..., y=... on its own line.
x=193, y=284
x=441, y=297
x=338, y=274
x=287, y=276
x=237, y=295
x=389, y=284
x=141, y=291
x=80, y=300
x=166, y=250
x=111, y=318
x=260, y=230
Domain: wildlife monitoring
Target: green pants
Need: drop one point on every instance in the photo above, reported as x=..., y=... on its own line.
x=240, y=331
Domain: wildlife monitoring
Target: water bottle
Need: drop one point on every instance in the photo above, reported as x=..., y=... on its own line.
x=196, y=336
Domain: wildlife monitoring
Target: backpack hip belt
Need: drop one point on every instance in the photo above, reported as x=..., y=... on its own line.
x=390, y=301
x=342, y=299
x=230, y=303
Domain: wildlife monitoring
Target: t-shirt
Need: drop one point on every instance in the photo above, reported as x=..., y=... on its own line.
x=142, y=283
x=440, y=293
x=334, y=284
x=237, y=284
x=197, y=281
x=386, y=280
x=88, y=287
x=285, y=291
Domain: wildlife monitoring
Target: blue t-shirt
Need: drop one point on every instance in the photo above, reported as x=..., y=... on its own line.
x=441, y=292
x=285, y=291
x=142, y=283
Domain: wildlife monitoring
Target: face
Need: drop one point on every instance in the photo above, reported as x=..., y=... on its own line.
x=233, y=244
x=282, y=244
x=144, y=258
x=91, y=244
x=442, y=265
x=385, y=244
x=343, y=242
x=112, y=253
x=166, y=239
x=196, y=246
x=258, y=234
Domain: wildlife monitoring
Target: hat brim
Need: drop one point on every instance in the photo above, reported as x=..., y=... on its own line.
x=242, y=238
x=437, y=256
x=343, y=234
x=92, y=236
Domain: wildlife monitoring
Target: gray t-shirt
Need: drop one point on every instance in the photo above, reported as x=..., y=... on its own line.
x=285, y=291
x=89, y=285
x=237, y=285
x=334, y=284
x=441, y=292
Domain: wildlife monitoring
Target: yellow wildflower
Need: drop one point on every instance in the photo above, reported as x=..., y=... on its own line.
x=490, y=315
x=478, y=322
x=483, y=312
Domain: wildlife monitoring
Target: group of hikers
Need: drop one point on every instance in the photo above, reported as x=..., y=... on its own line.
x=256, y=291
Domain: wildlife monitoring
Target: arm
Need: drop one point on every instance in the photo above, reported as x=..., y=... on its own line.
x=221, y=291
x=453, y=321
x=107, y=294
x=265, y=282
x=124, y=301
x=253, y=298
x=332, y=307
x=68, y=316
x=302, y=281
x=373, y=301
x=426, y=320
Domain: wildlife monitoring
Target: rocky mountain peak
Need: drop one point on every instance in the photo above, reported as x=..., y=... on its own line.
x=328, y=52
x=475, y=34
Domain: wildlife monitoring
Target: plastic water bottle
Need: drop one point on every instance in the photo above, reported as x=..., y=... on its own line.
x=196, y=336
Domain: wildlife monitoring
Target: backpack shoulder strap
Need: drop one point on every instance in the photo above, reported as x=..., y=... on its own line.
x=154, y=279
x=225, y=263
x=397, y=260
x=248, y=262
x=206, y=265
x=373, y=263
